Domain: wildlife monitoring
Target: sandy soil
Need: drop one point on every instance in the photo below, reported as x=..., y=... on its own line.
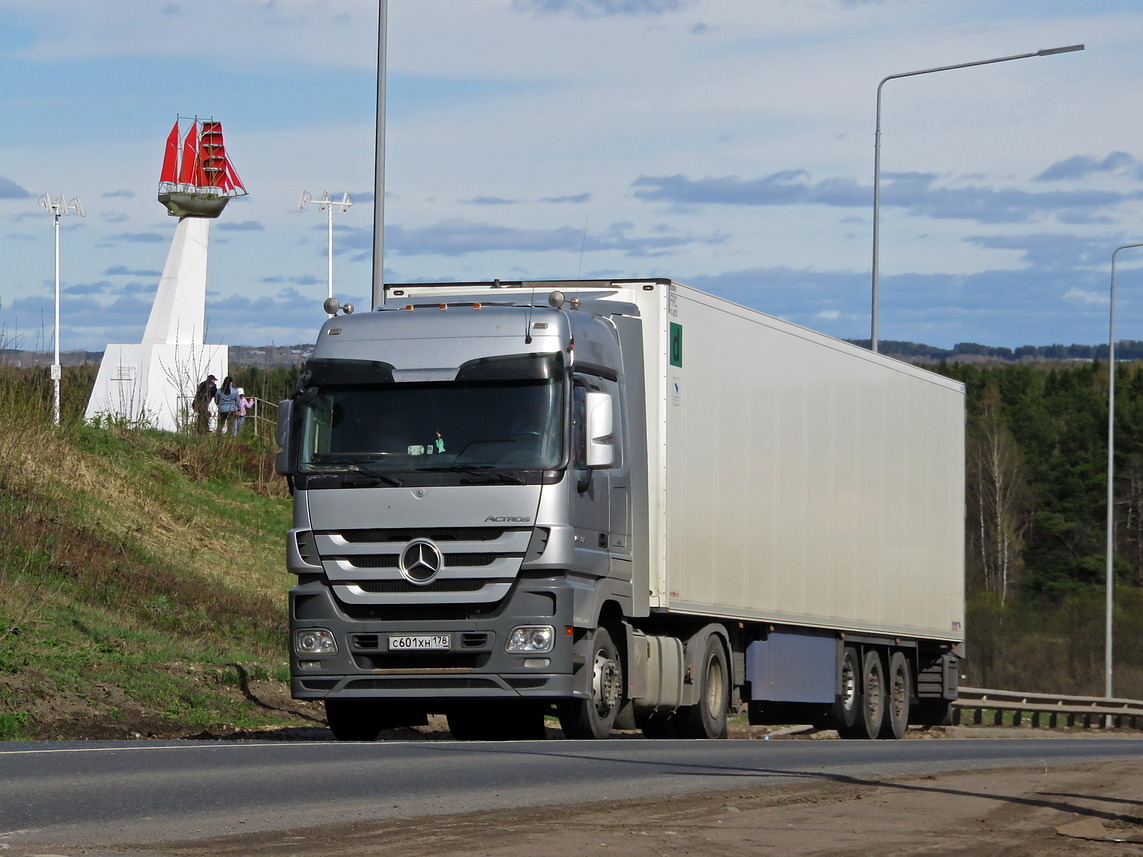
x=1078, y=811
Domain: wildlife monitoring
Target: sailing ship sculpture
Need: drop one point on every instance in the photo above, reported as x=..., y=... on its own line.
x=152, y=383
x=197, y=179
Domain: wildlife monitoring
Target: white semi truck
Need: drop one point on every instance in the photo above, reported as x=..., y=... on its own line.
x=625, y=503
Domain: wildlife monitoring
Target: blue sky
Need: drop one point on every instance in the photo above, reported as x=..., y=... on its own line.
x=725, y=143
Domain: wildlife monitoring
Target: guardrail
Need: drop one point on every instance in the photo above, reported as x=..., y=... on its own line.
x=1047, y=709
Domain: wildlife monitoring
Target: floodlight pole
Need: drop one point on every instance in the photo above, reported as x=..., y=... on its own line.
x=877, y=155
x=58, y=209
x=326, y=204
x=1107, y=639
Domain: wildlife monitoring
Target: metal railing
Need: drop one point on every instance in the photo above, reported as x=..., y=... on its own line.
x=1045, y=709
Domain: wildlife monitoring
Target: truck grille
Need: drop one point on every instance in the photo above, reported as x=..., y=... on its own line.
x=453, y=534
x=403, y=586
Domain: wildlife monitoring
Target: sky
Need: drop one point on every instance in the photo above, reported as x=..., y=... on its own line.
x=726, y=144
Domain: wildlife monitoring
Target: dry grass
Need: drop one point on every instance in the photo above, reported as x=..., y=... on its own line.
x=122, y=552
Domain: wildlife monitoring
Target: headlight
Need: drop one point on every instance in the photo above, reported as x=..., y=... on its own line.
x=530, y=640
x=314, y=641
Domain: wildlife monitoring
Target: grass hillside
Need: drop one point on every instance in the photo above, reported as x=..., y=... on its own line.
x=142, y=583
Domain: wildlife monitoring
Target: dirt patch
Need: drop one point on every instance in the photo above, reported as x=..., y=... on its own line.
x=1009, y=812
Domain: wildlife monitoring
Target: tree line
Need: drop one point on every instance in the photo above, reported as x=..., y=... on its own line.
x=1126, y=349
x=1036, y=522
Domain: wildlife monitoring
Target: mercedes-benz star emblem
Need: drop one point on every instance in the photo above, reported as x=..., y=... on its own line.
x=421, y=561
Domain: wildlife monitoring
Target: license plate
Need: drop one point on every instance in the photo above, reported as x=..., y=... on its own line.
x=416, y=642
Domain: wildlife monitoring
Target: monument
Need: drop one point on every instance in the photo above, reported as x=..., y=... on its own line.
x=152, y=383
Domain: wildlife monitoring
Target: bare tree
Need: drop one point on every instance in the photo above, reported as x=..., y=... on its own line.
x=998, y=500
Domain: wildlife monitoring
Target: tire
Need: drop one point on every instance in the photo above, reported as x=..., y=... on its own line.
x=354, y=719
x=872, y=696
x=899, y=691
x=707, y=718
x=847, y=707
x=497, y=722
x=594, y=717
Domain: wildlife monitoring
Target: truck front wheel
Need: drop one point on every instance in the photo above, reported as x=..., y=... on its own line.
x=594, y=717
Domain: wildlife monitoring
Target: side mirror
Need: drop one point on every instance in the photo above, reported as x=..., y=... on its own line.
x=282, y=436
x=600, y=424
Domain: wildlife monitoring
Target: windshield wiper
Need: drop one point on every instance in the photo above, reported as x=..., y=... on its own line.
x=376, y=474
x=486, y=470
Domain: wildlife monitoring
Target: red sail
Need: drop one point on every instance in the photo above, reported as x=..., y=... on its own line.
x=212, y=157
x=171, y=157
x=187, y=171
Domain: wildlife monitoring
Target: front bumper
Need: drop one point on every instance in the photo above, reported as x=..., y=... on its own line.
x=475, y=666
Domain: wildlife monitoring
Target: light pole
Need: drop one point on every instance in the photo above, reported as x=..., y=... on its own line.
x=378, y=295
x=1107, y=656
x=326, y=204
x=59, y=208
x=877, y=153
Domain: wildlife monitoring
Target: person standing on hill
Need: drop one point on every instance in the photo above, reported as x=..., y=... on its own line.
x=244, y=404
x=200, y=404
x=227, y=399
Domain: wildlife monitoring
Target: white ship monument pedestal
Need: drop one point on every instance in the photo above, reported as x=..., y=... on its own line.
x=153, y=383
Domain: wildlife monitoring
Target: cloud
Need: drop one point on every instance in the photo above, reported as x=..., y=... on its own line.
x=488, y=200
x=1085, y=297
x=459, y=237
x=599, y=8
x=139, y=237
x=125, y=194
x=124, y=271
x=576, y=199
x=10, y=190
x=1049, y=251
x=1083, y=166
x=307, y=280
x=98, y=288
x=241, y=226
x=919, y=193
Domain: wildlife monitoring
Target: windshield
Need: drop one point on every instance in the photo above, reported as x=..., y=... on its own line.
x=500, y=413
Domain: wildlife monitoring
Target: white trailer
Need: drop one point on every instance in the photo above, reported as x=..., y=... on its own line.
x=734, y=511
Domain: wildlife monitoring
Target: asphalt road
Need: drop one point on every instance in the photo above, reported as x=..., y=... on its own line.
x=103, y=793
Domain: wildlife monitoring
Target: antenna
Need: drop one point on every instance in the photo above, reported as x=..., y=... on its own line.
x=58, y=209
x=326, y=204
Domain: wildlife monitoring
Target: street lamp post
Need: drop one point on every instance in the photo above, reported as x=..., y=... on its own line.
x=58, y=208
x=378, y=295
x=326, y=204
x=877, y=154
x=1107, y=639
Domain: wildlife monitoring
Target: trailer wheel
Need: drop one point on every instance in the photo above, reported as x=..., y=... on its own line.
x=899, y=689
x=707, y=718
x=872, y=696
x=353, y=719
x=847, y=707
x=594, y=717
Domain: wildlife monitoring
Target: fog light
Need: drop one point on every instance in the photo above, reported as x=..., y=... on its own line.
x=530, y=639
x=537, y=662
x=314, y=641
x=309, y=665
